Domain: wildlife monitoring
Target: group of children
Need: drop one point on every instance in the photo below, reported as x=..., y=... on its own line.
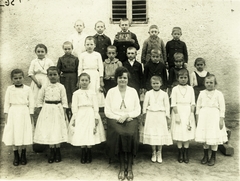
x=69, y=109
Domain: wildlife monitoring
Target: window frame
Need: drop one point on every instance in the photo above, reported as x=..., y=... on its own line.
x=129, y=13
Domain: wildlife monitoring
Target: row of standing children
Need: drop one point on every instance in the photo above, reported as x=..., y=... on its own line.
x=91, y=62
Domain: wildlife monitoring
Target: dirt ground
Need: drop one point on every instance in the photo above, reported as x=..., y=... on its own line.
x=225, y=169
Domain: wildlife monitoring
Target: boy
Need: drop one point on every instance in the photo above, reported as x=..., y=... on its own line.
x=78, y=38
x=155, y=67
x=110, y=65
x=153, y=42
x=102, y=41
x=135, y=70
x=68, y=71
x=173, y=72
x=123, y=45
x=176, y=45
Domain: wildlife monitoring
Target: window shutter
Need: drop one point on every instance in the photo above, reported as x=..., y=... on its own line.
x=119, y=10
x=139, y=11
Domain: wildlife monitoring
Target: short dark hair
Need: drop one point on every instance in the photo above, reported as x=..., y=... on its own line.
x=119, y=72
x=210, y=76
x=156, y=78
x=90, y=38
x=199, y=59
x=16, y=71
x=182, y=72
x=41, y=46
x=112, y=47
x=156, y=51
x=67, y=43
x=84, y=74
x=178, y=56
x=52, y=68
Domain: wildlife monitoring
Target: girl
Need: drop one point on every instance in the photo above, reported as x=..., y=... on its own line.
x=183, y=123
x=38, y=69
x=156, y=110
x=197, y=77
x=51, y=127
x=67, y=66
x=18, y=109
x=210, y=113
x=91, y=63
x=86, y=126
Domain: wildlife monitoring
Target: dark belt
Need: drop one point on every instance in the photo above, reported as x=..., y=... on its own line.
x=52, y=102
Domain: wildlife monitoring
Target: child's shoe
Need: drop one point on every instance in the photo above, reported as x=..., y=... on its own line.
x=83, y=156
x=159, y=157
x=180, y=155
x=212, y=159
x=23, y=157
x=89, y=155
x=154, y=157
x=205, y=157
x=185, y=155
x=58, y=155
x=16, y=158
x=51, y=156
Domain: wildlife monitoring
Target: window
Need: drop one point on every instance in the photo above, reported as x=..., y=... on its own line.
x=134, y=10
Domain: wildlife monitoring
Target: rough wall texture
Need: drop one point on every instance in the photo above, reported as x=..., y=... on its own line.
x=210, y=30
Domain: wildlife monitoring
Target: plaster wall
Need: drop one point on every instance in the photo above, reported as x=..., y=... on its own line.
x=210, y=30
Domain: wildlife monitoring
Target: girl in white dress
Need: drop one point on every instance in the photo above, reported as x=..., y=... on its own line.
x=210, y=113
x=38, y=69
x=18, y=110
x=85, y=128
x=51, y=127
x=156, y=110
x=91, y=63
x=183, y=122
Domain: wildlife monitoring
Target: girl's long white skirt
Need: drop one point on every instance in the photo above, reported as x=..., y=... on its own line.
x=208, y=130
x=51, y=127
x=155, y=131
x=82, y=133
x=180, y=131
x=18, y=130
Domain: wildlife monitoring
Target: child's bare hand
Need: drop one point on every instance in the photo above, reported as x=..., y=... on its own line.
x=143, y=119
x=116, y=38
x=5, y=118
x=129, y=119
x=39, y=85
x=132, y=40
x=168, y=122
x=94, y=130
x=96, y=122
x=185, y=65
x=177, y=119
x=221, y=122
x=189, y=127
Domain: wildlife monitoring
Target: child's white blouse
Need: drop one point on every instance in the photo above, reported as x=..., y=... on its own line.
x=91, y=61
x=211, y=99
x=156, y=101
x=182, y=95
x=84, y=98
x=19, y=96
x=52, y=92
x=38, y=66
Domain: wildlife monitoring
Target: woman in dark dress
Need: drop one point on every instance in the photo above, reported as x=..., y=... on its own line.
x=122, y=108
